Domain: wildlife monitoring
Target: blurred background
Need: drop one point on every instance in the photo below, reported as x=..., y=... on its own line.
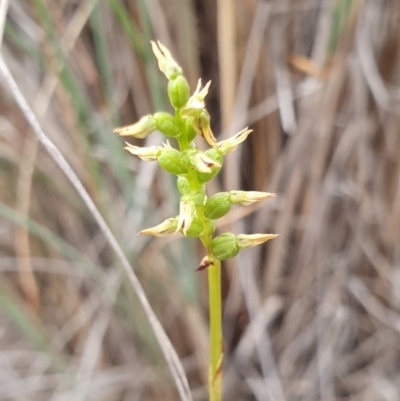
x=312, y=315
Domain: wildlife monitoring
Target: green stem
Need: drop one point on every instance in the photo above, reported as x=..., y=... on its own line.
x=216, y=352
x=214, y=285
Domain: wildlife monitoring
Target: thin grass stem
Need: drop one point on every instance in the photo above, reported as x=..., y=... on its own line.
x=169, y=352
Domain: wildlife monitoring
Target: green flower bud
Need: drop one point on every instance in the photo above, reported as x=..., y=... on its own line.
x=190, y=132
x=178, y=91
x=218, y=158
x=195, y=228
x=171, y=160
x=225, y=246
x=183, y=185
x=167, y=124
x=217, y=206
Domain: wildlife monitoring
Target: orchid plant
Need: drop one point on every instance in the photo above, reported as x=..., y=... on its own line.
x=194, y=168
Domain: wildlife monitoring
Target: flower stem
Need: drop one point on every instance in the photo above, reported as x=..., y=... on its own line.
x=214, y=285
x=216, y=352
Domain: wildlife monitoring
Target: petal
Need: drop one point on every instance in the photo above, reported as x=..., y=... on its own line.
x=246, y=198
x=141, y=129
x=147, y=154
x=230, y=144
x=161, y=230
x=250, y=240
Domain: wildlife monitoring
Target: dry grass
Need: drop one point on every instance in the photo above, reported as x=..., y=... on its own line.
x=314, y=315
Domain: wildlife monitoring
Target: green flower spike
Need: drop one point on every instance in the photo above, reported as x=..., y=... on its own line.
x=193, y=169
x=145, y=126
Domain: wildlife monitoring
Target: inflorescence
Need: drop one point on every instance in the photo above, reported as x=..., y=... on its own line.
x=193, y=167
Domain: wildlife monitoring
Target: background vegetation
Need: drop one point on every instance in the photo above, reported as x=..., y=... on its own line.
x=313, y=315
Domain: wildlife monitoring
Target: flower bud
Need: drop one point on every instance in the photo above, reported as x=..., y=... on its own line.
x=250, y=240
x=148, y=154
x=217, y=206
x=229, y=145
x=218, y=159
x=225, y=246
x=171, y=160
x=166, y=227
x=178, y=91
x=167, y=124
x=246, y=198
x=145, y=126
x=166, y=63
x=187, y=211
x=183, y=185
x=195, y=229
